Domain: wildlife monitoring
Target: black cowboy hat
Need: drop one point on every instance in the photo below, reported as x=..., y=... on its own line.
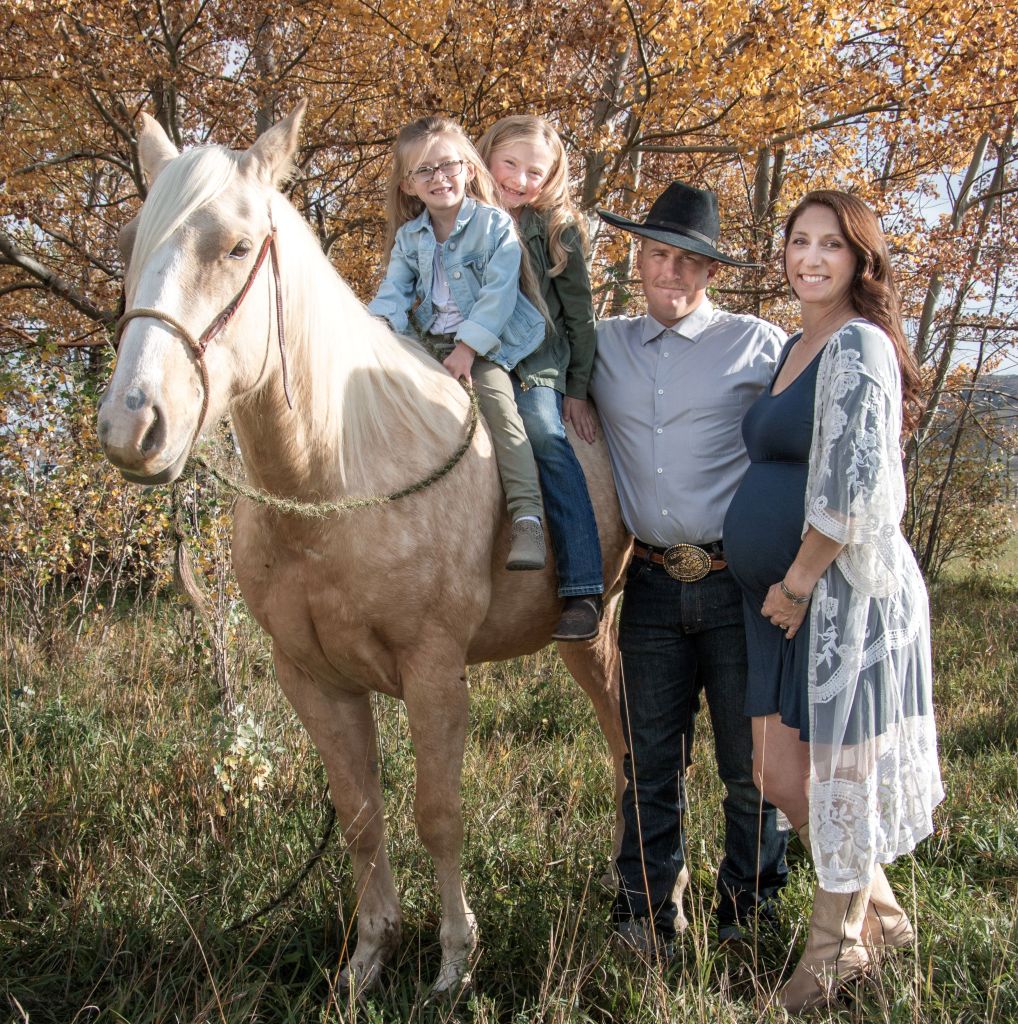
x=682, y=216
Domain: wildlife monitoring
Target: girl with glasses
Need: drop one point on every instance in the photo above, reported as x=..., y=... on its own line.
x=530, y=168
x=453, y=262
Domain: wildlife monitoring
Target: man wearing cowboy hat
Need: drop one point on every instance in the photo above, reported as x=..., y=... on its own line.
x=671, y=388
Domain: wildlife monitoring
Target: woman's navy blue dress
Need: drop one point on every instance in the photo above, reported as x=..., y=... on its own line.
x=762, y=535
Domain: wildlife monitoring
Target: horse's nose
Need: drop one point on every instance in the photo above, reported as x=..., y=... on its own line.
x=132, y=431
x=155, y=436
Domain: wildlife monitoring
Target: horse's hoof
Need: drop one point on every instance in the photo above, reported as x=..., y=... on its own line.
x=451, y=988
x=359, y=981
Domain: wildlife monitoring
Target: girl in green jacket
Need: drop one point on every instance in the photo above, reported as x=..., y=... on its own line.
x=529, y=165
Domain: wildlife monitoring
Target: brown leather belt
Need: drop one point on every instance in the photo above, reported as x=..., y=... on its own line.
x=685, y=562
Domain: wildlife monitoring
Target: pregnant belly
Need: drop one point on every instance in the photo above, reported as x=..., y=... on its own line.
x=763, y=527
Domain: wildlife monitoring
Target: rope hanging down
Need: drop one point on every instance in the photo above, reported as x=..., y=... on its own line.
x=330, y=824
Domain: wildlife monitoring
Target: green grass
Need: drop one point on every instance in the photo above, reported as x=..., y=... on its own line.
x=123, y=860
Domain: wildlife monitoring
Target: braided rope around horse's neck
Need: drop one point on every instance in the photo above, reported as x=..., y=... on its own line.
x=325, y=509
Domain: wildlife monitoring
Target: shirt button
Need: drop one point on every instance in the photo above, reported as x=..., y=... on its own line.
x=660, y=430
x=660, y=391
x=452, y=245
x=456, y=274
x=666, y=355
x=664, y=511
x=659, y=469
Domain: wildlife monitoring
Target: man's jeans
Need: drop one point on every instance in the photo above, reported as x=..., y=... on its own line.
x=567, y=504
x=677, y=639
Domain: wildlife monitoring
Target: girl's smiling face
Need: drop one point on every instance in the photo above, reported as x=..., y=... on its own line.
x=439, y=176
x=520, y=170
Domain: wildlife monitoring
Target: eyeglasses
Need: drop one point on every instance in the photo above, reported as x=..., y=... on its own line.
x=447, y=168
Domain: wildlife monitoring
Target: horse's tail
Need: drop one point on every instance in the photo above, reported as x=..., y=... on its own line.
x=186, y=583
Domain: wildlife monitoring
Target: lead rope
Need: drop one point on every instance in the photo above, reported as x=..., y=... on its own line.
x=274, y=904
x=325, y=509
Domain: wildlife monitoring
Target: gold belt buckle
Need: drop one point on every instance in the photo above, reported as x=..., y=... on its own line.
x=686, y=562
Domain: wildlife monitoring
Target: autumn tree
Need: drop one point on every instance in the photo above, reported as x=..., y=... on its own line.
x=910, y=105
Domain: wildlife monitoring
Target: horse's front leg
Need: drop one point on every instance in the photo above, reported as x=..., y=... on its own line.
x=435, y=692
x=342, y=728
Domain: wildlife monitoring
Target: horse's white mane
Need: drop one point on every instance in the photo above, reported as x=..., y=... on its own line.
x=363, y=381
x=360, y=383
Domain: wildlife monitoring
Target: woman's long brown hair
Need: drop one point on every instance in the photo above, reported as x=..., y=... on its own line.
x=873, y=293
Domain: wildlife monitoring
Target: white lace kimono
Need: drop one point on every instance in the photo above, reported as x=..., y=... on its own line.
x=874, y=776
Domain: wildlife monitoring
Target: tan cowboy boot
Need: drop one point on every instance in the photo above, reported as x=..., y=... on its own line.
x=886, y=926
x=834, y=952
x=678, y=892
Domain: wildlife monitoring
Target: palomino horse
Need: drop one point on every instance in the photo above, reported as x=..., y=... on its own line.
x=395, y=599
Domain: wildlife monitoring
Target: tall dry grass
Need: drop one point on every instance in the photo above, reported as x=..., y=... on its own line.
x=137, y=822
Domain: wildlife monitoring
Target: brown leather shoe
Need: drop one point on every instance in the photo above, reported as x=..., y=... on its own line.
x=638, y=938
x=580, y=619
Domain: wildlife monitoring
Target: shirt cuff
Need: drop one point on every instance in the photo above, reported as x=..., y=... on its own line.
x=399, y=322
x=482, y=341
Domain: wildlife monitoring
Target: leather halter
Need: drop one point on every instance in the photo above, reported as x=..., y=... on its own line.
x=198, y=345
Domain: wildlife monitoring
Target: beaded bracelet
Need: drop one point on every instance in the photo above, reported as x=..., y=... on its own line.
x=794, y=598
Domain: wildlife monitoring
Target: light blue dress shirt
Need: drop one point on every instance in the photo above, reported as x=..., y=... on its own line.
x=671, y=402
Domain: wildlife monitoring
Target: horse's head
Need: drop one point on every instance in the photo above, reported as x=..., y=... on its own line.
x=191, y=252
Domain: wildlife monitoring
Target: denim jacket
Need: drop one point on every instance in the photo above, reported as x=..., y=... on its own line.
x=482, y=262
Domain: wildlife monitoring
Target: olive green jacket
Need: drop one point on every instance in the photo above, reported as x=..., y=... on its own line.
x=565, y=359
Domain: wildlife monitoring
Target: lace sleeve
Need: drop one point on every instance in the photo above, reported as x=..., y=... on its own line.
x=874, y=777
x=856, y=489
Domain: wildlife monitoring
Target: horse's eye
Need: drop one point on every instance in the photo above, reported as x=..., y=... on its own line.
x=240, y=250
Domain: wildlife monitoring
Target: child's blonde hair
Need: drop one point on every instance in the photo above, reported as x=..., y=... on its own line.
x=401, y=206
x=553, y=200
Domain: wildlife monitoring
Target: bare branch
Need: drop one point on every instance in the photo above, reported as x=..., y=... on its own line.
x=53, y=282
x=19, y=286
x=68, y=158
x=648, y=81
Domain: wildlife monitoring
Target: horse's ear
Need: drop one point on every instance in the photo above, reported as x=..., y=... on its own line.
x=271, y=157
x=155, y=150
x=125, y=240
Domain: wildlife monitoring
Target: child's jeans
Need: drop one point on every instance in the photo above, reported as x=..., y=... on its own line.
x=571, y=520
x=513, y=454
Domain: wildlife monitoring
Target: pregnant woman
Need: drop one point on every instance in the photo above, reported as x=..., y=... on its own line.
x=837, y=618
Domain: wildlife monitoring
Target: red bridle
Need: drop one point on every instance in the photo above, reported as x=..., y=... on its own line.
x=200, y=344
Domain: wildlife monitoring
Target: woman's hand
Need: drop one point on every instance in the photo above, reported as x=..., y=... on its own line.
x=578, y=412
x=816, y=553
x=784, y=613
x=459, y=361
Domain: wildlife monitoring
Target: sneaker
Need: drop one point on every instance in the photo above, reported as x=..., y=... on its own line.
x=637, y=938
x=526, y=550
x=580, y=619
